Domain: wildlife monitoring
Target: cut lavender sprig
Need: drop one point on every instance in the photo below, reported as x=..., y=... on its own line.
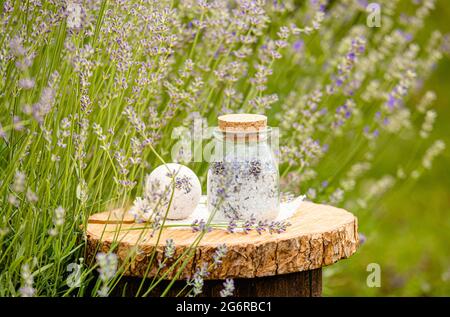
x=169, y=250
x=200, y=226
x=219, y=254
x=232, y=225
x=278, y=226
x=197, y=280
x=249, y=224
x=228, y=288
x=261, y=227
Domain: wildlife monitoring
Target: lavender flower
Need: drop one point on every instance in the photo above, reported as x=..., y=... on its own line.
x=169, y=250
x=31, y=196
x=219, y=254
x=12, y=199
x=16, y=46
x=261, y=226
x=232, y=225
x=107, y=263
x=58, y=220
x=362, y=238
x=18, y=185
x=74, y=15
x=197, y=281
x=427, y=125
x=249, y=224
x=278, y=226
x=118, y=88
x=26, y=83
x=228, y=288
x=200, y=226
x=258, y=226
x=183, y=183
x=27, y=290
x=141, y=209
x=298, y=45
x=433, y=151
x=44, y=105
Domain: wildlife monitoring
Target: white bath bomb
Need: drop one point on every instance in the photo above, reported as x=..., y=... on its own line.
x=187, y=188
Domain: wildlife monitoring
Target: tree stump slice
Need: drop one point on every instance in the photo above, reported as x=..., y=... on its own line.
x=319, y=235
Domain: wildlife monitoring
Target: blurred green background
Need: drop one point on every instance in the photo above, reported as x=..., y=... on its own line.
x=408, y=233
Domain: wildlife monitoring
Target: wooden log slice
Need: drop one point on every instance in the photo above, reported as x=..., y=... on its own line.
x=319, y=235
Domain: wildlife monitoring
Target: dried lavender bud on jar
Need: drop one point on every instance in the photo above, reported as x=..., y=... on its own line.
x=243, y=179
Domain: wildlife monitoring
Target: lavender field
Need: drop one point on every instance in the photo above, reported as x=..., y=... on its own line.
x=91, y=93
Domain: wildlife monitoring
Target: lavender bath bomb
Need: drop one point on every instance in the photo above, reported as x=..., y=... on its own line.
x=186, y=184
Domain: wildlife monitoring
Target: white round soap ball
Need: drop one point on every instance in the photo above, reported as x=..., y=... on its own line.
x=188, y=190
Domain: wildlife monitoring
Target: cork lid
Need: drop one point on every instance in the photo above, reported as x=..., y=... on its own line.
x=242, y=122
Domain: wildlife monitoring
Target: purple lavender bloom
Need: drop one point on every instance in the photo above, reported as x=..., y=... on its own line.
x=16, y=46
x=363, y=3
x=200, y=226
x=26, y=83
x=18, y=125
x=298, y=45
x=408, y=37
x=228, y=288
x=216, y=54
x=219, y=254
x=376, y=133
x=362, y=238
x=221, y=193
x=348, y=114
x=391, y=101
x=232, y=225
x=261, y=227
x=278, y=226
x=249, y=224
x=325, y=184
x=169, y=250
x=351, y=56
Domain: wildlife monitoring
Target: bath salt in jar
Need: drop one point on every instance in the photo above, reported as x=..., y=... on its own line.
x=243, y=178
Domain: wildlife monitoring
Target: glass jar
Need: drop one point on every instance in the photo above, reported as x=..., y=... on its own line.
x=243, y=178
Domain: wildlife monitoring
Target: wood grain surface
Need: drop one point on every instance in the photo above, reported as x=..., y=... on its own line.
x=319, y=235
